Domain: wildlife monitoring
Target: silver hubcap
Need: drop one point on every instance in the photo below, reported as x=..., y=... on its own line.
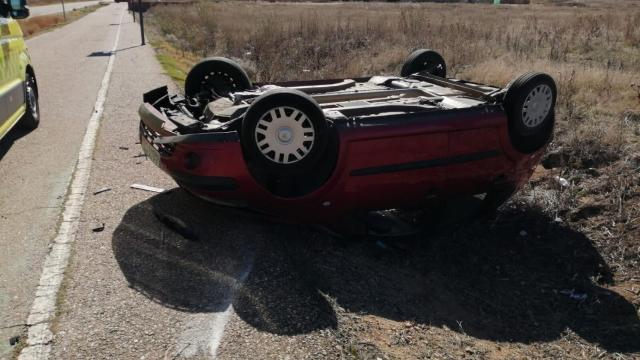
x=284, y=135
x=537, y=105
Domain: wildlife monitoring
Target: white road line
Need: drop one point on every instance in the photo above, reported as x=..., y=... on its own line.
x=204, y=332
x=220, y=320
x=43, y=309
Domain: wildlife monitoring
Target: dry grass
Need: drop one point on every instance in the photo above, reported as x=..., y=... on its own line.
x=49, y=2
x=35, y=25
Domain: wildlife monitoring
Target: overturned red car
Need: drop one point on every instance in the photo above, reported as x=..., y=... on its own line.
x=324, y=151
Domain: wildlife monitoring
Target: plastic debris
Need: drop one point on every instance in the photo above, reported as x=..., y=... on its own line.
x=14, y=340
x=146, y=188
x=105, y=189
x=98, y=228
x=177, y=225
x=562, y=181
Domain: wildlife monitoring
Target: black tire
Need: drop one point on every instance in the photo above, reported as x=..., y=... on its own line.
x=215, y=76
x=530, y=106
x=31, y=118
x=424, y=60
x=287, y=101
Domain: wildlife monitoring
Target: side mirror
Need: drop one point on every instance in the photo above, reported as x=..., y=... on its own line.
x=18, y=9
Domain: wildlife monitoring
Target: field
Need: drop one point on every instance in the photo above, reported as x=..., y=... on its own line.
x=557, y=274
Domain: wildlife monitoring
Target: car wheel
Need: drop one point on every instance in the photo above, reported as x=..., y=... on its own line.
x=215, y=77
x=31, y=118
x=424, y=60
x=284, y=131
x=529, y=103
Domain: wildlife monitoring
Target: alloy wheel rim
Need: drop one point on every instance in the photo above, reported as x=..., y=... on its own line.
x=284, y=135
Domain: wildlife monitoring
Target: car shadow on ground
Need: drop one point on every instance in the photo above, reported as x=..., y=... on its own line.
x=489, y=280
x=7, y=142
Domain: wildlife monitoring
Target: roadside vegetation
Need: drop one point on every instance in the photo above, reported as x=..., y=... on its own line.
x=33, y=26
x=49, y=2
x=590, y=182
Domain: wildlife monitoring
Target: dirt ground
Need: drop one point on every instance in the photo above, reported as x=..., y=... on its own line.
x=523, y=285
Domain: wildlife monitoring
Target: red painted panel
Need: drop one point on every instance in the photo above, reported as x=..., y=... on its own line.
x=397, y=150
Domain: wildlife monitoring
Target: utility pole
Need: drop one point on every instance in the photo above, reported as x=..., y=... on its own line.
x=141, y=22
x=64, y=13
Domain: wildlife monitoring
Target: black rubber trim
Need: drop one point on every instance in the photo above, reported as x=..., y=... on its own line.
x=423, y=164
x=419, y=117
x=211, y=183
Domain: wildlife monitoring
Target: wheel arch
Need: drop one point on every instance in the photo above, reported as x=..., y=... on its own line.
x=29, y=70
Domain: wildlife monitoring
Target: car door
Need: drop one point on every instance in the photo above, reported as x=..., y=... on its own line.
x=11, y=86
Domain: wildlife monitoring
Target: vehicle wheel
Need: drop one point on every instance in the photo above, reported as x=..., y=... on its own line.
x=216, y=76
x=31, y=118
x=424, y=60
x=284, y=131
x=529, y=104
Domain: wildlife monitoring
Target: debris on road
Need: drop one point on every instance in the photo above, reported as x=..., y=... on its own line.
x=146, y=188
x=14, y=340
x=123, y=147
x=99, y=191
x=177, y=225
x=98, y=228
x=140, y=155
x=523, y=233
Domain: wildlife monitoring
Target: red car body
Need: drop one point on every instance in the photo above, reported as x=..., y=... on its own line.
x=395, y=160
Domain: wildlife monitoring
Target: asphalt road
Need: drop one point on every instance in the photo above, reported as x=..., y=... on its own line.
x=57, y=8
x=139, y=290
x=36, y=167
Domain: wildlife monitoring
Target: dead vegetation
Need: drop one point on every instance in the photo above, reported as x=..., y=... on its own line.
x=589, y=188
x=35, y=25
x=592, y=52
x=49, y=2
